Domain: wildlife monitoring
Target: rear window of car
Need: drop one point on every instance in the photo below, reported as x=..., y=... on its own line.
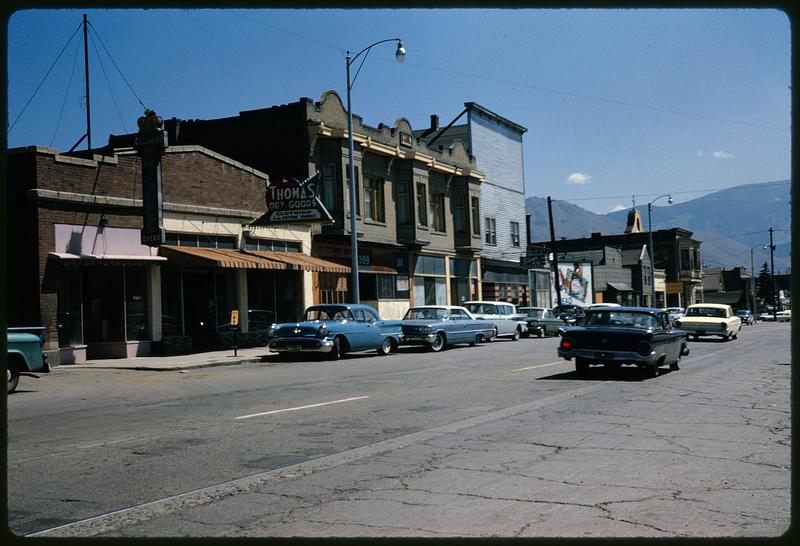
x=705, y=312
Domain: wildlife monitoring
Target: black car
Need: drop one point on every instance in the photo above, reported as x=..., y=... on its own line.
x=570, y=314
x=614, y=336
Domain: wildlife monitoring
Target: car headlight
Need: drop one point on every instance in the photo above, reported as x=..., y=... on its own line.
x=678, y=323
x=724, y=325
x=426, y=329
x=271, y=331
x=323, y=331
x=644, y=348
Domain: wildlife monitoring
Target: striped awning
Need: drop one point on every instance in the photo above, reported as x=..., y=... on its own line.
x=297, y=260
x=225, y=258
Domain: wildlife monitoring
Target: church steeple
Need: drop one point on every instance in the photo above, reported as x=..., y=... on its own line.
x=634, y=222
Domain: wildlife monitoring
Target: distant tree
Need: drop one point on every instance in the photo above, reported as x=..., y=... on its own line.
x=764, y=285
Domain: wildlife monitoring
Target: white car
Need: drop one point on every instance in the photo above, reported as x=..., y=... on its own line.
x=508, y=322
x=784, y=316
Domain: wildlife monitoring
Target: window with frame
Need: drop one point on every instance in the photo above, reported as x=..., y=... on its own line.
x=490, y=229
x=685, y=258
x=271, y=245
x=515, y=234
x=476, y=216
x=403, y=202
x=437, y=211
x=328, y=188
x=460, y=218
x=200, y=240
x=422, y=204
x=358, y=189
x=373, y=199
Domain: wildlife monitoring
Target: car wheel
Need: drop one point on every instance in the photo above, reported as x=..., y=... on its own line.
x=12, y=380
x=516, y=335
x=581, y=366
x=652, y=371
x=386, y=346
x=338, y=350
x=540, y=334
x=477, y=339
x=675, y=366
x=439, y=342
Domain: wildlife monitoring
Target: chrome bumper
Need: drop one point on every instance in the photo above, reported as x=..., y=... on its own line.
x=418, y=339
x=609, y=356
x=300, y=345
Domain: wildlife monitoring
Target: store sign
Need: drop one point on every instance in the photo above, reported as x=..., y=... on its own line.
x=290, y=201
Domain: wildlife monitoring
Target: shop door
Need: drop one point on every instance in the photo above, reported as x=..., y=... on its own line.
x=200, y=310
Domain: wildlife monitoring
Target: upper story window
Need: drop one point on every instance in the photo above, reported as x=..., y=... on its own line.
x=437, y=211
x=460, y=217
x=403, y=203
x=490, y=228
x=685, y=263
x=328, y=193
x=358, y=190
x=515, y=234
x=373, y=199
x=271, y=245
x=200, y=240
x=476, y=216
x=422, y=204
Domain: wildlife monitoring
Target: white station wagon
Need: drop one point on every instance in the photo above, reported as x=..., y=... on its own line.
x=507, y=321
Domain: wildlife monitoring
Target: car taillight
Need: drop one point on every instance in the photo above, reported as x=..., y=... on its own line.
x=566, y=344
x=644, y=348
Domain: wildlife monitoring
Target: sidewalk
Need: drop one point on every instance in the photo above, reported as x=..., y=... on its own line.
x=177, y=362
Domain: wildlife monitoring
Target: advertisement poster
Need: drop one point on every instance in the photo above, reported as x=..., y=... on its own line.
x=576, y=284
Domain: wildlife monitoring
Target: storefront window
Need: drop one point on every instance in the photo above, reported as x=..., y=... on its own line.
x=170, y=302
x=103, y=304
x=430, y=291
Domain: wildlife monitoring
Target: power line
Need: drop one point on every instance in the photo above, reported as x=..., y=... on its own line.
x=117, y=67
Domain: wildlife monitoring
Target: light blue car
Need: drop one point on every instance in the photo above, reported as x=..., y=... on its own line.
x=438, y=326
x=337, y=329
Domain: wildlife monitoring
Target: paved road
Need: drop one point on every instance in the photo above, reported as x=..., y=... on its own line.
x=498, y=440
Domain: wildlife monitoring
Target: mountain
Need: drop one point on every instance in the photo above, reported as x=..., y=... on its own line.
x=727, y=222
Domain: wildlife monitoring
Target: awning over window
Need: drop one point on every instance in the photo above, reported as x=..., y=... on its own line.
x=106, y=259
x=620, y=287
x=298, y=260
x=226, y=258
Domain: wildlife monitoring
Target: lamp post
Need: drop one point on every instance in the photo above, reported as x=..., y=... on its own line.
x=772, y=269
x=650, y=245
x=400, y=55
x=753, y=279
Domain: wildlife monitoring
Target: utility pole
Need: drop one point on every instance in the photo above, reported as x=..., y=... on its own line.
x=772, y=269
x=553, y=249
x=86, y=73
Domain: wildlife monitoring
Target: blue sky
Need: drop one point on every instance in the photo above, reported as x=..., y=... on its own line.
x=616, y=102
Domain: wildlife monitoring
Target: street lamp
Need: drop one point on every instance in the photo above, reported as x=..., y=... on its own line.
x=753, y=279
x=400, y=55
x=650, y=245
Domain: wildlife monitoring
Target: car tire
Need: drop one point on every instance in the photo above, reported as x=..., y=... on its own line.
x=386, y=346
x=581, y=366
x=674, y=366
x=516, y=335
x=338, y=351
x=652, y=371
x=439, y=342
x=12, y=380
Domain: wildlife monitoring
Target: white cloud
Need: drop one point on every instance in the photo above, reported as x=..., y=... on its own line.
x=618, y=208
x=578, y=178
x=722, y=155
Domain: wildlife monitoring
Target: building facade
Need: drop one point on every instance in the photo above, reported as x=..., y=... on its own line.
x=496, y=144
x=84, y=275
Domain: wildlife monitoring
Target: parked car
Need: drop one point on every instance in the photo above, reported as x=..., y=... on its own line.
x=438, y=326
x=504, y=315
x=675, y=312
x=569, y=314
x=783, y=316
x=541, y=321
x=710, y=319
x=766, y=317
x=746, y=316
x=337, y=330
x=24, y=354
x=616, y=336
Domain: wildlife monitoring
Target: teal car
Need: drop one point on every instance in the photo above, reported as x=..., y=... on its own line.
x=335, y=330
x=438, y=326
x=541, y=321
x=24, y=354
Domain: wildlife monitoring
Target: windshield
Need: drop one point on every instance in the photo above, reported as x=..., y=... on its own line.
x=627, y=319
x=742, y=312
x=481, y=308
x=705, y=312
x=426, y=313
x=327, y=313
x=536, y=313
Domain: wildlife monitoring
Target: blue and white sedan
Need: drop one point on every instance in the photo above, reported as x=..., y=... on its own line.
x=438, y=326
x=337, y=329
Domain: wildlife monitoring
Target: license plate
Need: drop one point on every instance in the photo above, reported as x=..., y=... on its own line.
x=701, y=332
x=293, y=348
x=604, y=355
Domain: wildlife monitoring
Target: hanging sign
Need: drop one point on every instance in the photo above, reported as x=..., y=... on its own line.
x=290, y=201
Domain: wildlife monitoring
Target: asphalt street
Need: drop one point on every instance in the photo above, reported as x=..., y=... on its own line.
x=498, y=440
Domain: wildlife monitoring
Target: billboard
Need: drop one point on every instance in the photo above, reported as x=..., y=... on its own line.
x=576, y=284
x=289, y=200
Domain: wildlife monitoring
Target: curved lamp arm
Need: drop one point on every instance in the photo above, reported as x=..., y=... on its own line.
x=399, y=55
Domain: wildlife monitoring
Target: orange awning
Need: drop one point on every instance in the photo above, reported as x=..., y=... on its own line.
x=226, y=258
x=298, y=260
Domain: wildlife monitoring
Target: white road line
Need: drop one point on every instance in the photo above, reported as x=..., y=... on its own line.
x=301, y=407
x=538, y=366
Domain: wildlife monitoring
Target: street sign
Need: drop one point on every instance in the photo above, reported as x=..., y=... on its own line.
x=235, y=317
